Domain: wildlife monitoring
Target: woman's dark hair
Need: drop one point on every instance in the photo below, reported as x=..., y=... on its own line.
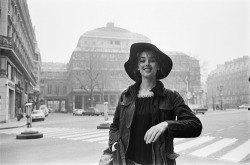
x=136, y=71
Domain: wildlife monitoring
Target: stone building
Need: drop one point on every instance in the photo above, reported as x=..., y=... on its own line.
x=53, y=85
x=228, y=85
x=185, y=78
x=19, y=57
x=95, y=73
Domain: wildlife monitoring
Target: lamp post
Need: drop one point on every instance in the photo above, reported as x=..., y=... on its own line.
x=220, y=88
x=189, y=95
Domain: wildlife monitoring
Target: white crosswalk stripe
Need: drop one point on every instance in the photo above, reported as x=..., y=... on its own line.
x=214, y=147
x=96, y=134
x=98, y=139
x=238, y=153
x=192, y=143
x=204, y=146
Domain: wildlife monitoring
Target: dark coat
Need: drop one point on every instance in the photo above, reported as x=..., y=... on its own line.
x=168, y=106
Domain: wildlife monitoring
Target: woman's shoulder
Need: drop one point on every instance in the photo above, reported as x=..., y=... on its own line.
x=170, y=92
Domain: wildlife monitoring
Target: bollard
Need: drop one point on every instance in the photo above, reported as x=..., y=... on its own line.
x=29, y=132
x=106, y=123
x=105, y=104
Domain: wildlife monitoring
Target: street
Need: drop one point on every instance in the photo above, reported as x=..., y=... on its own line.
x=69, y=139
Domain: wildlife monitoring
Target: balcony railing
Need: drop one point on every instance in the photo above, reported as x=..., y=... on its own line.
x=9, y=43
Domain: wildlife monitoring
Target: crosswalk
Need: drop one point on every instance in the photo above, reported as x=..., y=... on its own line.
x=234, y=150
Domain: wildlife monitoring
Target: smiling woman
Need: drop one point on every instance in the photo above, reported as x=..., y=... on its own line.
x=145, y=120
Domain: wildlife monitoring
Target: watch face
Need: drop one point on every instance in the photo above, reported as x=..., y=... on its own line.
x=116, y=145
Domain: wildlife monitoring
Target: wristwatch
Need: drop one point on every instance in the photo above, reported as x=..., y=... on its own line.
x=114, y=146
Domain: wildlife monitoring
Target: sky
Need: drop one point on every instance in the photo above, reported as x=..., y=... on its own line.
x=212, y=31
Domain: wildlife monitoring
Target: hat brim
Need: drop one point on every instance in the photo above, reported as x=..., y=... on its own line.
x=165, y=61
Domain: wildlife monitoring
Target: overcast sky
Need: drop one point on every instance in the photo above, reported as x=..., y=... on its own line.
x=213, y=31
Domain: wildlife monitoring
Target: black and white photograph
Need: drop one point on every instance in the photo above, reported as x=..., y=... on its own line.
x=124, y=82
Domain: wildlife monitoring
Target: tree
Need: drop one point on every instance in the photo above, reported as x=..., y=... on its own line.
x=91, y=76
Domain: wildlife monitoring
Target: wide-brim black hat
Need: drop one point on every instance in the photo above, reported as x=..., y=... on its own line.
x=164, y=60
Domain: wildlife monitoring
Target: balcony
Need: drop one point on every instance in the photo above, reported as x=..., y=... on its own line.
x=15, y=55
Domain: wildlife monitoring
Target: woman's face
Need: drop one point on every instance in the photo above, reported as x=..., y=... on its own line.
x=147, y=64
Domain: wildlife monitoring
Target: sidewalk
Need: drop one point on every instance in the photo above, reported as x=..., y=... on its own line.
x=13, y=124
x=232, y=110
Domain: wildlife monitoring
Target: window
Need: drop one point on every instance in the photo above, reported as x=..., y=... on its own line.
x=49, y=89
x=57, y=89
x=9, y=71
x=117, y=43
x=64, y=89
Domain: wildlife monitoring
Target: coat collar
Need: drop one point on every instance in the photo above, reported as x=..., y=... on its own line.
x=157, y=89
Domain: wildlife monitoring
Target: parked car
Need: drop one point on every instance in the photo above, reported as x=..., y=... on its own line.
x=78, y=112
x=92, y=111
x=45, y=110
x=200, y=109
x=37, y=115
x=244, y=106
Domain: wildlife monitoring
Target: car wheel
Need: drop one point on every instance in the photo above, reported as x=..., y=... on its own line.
x=83, y=114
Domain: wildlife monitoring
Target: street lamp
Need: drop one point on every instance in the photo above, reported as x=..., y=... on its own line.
x=189, y=95
x=220, y=88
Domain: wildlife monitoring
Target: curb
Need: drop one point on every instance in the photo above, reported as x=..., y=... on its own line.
x=12, y=127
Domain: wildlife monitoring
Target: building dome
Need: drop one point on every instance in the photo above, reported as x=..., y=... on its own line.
x=110, y=31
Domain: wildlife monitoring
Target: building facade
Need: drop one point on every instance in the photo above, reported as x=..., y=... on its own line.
x=53, y=86
x=228, y=85
x=185, y=78
x=95, y=73
x=19, y=57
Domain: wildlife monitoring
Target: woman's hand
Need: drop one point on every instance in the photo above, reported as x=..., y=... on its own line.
x=155, y=131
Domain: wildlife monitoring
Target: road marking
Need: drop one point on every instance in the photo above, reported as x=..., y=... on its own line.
x=220, y=130
x=104, y=142
x=56, y=134
x=193, y=143
x=214, y=147
x=54, y=130
x=97, y=139
x=81, y=134
x=90, y=136
x=238, y=153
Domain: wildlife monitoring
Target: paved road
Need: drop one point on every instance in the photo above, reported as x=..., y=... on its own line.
x=225, y=140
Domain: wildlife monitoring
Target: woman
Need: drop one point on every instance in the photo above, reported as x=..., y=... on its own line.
x=144, y=122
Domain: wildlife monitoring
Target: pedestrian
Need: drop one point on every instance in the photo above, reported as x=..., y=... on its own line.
x=148, y=116
x=19, y=113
